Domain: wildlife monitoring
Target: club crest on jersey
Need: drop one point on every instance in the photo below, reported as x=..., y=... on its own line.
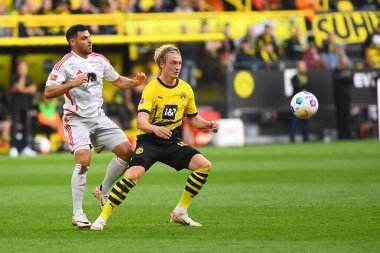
x=142, y=100
x=53, y=77
x=183, y=96
x=140, y=150
x=181, y=143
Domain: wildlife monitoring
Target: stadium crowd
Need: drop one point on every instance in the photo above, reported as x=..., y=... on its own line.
x=205, y=62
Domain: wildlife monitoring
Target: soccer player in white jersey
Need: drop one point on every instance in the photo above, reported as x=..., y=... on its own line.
x=78, y=76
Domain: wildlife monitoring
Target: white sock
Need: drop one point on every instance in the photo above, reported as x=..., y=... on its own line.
x=115, y=169
x=180, y=210
x=78, y=186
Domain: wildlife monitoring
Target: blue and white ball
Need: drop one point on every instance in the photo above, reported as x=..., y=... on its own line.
x=304, y=105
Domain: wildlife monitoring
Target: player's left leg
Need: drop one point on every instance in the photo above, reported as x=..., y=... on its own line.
x=108, y=135
x=115, y=169
x=200, y=168
x=118, y=194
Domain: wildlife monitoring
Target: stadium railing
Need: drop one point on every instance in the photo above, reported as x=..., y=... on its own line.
x=137, y=28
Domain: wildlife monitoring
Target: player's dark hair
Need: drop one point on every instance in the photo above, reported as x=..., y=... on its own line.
x=73, y=31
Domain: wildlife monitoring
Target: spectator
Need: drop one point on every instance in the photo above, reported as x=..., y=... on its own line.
x=260, y=5
x=313, y=58
x=49, y=119
x=245, y=57
x=24, y=31
x=4, y=31
x=158, y=7
x=183, y=6
x=300, y=82
x=191, y=52
x=108, y=8
x=5, y=122
x=372, y=52
x=249, y=36
x=265, y=38
x=47, y=8
x=332, y=59
x=130, y=6
x=22, y=90
x=293, y=48
x=366, y=5
x=202, y=6
x=63, y=7
x=268, y=57
x=343, y=81
x=368, y=41
x=86, y=7
x=210, y=64
x=227, y=50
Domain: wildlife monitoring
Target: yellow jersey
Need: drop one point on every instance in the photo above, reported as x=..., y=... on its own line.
x=167, y=105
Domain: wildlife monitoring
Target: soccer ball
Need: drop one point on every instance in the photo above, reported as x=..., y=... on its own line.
x=304, y=105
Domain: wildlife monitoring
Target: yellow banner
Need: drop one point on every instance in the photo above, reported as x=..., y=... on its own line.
x=164, y=26
x=349, y=27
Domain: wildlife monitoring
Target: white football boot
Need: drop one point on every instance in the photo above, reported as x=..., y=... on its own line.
x=183, y=219
x=81, y=221
x=101, y=198
x=98, y=225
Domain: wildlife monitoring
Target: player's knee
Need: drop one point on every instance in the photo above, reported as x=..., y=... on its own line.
x=135, y=173
x=126, y=156
x=206, y=164
x=124, y=151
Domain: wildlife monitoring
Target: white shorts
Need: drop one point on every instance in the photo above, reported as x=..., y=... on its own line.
x=99, y=132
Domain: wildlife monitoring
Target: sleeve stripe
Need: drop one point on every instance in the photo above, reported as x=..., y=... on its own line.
x=65, y=58
x=144, y=110
x=191, y=115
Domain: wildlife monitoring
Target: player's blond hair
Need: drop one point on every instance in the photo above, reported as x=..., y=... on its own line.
x=161, y=53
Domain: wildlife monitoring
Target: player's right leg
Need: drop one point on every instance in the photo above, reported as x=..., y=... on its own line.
x=117, y=195
x=77, y=133
x=78, y=187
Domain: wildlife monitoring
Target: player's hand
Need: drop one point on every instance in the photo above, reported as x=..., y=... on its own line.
x=81, y=79
x=214, y=126
x=162, y=132
x=140, y=78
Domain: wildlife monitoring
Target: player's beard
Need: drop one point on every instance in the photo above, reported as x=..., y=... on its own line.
x=86, y=50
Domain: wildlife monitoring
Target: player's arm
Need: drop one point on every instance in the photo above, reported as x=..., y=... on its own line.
x=54, y=91
x=126, y=83
x=200, y=123
x=144, y=125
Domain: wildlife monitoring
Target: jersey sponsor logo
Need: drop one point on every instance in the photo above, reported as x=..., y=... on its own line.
x=140, y=150
x=79, y=72
x=159, y=97
x=53, y=77
x=141, y=101
x=169, y=112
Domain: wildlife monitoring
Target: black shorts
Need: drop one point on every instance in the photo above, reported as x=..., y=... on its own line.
x=174, y=153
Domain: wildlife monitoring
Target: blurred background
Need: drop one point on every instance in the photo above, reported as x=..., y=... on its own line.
x=244, y=58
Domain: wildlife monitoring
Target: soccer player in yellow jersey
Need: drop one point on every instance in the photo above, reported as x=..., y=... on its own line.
x=164, y=103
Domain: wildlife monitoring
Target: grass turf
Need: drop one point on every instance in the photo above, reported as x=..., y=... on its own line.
x=272, y=198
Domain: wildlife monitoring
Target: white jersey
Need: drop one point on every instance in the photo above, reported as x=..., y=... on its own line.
x=85, y=100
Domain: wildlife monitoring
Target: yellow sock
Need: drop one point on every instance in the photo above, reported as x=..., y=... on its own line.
x=194, y=184
x=117, y=196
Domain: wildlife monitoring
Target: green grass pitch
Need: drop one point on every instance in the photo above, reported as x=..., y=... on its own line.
x=269, y=198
